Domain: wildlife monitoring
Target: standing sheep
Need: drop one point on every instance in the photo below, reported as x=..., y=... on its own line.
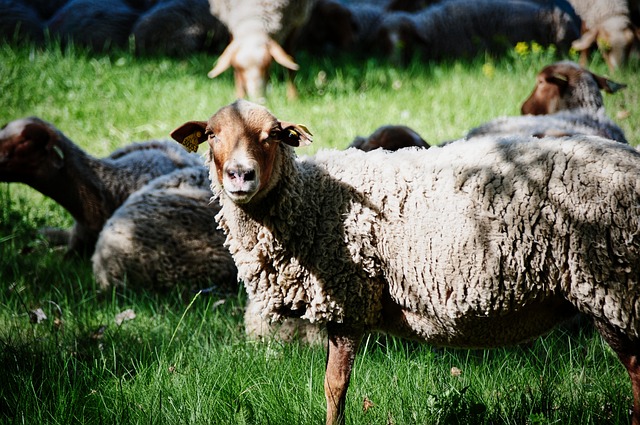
x=456, y=247
x=565, y=101
x=259, y=30
x=36, y=153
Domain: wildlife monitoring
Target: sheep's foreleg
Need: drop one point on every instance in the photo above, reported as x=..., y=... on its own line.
x=342, y=345
x=628, y=352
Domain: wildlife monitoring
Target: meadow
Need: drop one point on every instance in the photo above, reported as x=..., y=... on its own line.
x=183, y=358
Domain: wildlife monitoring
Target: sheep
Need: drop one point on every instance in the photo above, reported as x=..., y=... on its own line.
x=390, y=137
x=178, y=27
x=570, y=96
x=471, y=27
x=35, y=152
x=259, y=30
x=456, y=247
x=164, y=235
x=94, y=23
x=606, y=23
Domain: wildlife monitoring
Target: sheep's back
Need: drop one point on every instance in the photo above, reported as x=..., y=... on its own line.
x=497, y=226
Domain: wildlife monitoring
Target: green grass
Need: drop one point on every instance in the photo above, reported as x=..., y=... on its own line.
x=184, y=358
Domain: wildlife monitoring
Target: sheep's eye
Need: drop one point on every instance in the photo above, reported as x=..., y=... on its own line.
x=273, y=134
x=211, y=136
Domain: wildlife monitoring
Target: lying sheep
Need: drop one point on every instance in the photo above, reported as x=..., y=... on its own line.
x=19, y=21
x=607, y=24
x=36, y=153
x=570, y=97
x=472, y=27
x=179, y=27
x=259, y=30
x=164, y=235
x=457, y=247
x=94, y=23
x=389, y=137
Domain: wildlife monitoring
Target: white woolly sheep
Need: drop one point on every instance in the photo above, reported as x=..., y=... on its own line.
x=94, y=23
x=165, y=235
x=475, y=26
x=456, y=247
x=36, y=153
x=606, y=23
x=178, y=27
x=389, y=137
x=259, y=30
x=570, y=97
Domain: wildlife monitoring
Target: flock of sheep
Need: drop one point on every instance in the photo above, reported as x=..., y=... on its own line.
x=257, y=32
x=454, y=246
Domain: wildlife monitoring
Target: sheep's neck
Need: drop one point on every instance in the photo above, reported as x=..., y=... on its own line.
x=86, y=187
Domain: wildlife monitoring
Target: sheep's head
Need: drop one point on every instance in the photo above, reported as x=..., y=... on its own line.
x=29, y=150
x=243, y=142
x=251, y=58
x=566, y=85
x=614, y=37
x=390, y=137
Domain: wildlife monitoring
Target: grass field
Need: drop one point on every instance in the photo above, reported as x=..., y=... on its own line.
x=184, y=359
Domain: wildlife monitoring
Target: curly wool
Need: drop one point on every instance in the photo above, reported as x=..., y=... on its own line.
x=164, y=236
x=478, y=247
x=274, y=17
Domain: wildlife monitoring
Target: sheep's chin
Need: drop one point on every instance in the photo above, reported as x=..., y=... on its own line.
x=240, y=197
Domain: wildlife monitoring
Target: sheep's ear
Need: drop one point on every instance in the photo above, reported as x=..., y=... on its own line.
x=224, y=61
x=280, y=56
x=190, y=134
x=607, y=85
x=41, y=137
x=584, y=42
x=295, y=134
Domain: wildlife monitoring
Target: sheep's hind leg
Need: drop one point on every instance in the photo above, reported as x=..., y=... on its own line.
x=342, y=346
x=628, y=352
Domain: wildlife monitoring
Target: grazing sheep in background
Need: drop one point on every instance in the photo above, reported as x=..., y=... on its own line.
x=472, y=27
x=179, y=27
x=36, y=153
x=389, y=137
x=456, y=247
x=165, y=235
x=570, y=96
x=606, y=23
x=19, y=21
x=261, y=31
x=94, y=23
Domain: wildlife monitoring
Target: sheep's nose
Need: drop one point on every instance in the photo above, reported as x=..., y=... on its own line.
x=241, y=175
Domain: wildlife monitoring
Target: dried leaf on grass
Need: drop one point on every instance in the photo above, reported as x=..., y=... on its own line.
x=36, y=316
x=367, y=404
x=122, y=317
x=455, y=371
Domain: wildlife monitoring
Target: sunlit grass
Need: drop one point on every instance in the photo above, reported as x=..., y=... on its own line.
x=184, y=359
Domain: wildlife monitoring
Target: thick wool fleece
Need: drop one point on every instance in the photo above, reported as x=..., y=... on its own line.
x=464, y=245
x=565, y=123
x=163, y=236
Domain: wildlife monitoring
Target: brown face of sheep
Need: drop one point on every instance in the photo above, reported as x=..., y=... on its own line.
x=251, y=59
x=565, y=85
x=29, y=151
x=243, y=142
